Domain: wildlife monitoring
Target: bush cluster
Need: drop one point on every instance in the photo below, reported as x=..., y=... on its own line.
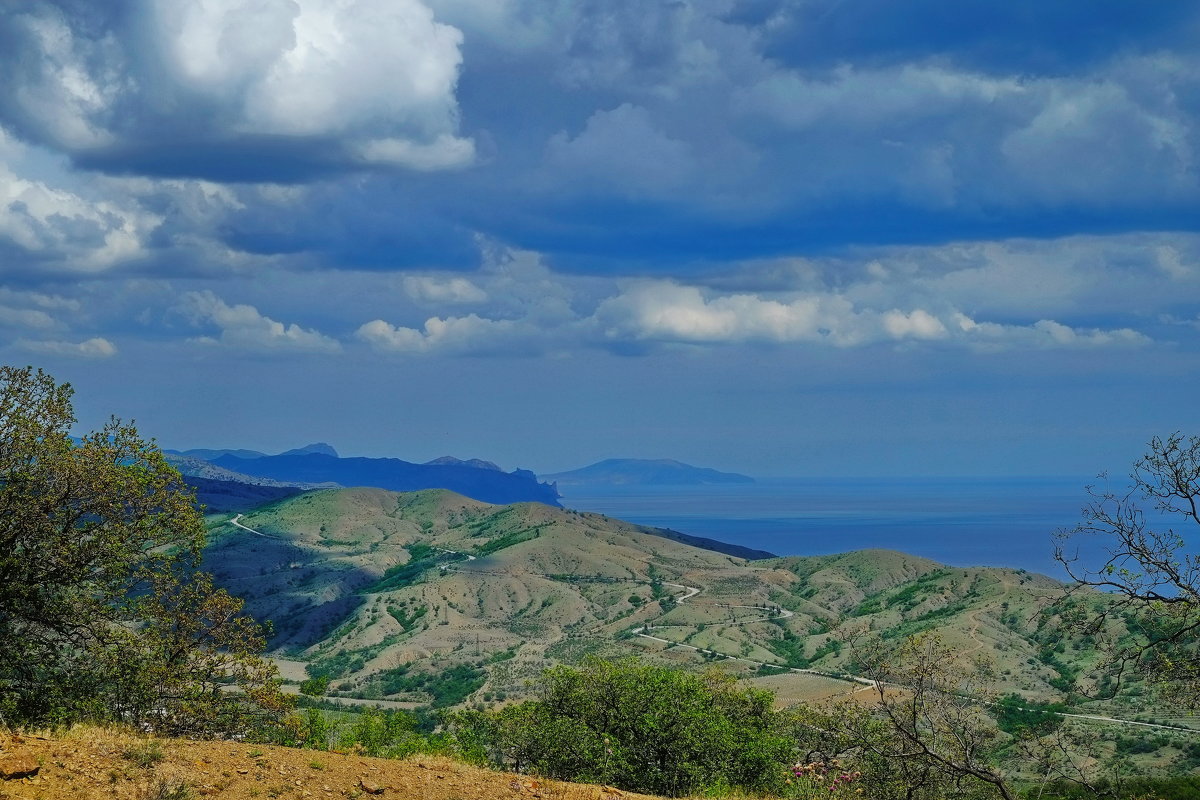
x=637, y=726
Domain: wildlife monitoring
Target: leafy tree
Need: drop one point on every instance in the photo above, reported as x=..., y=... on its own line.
x=637, y=726
x=1152, y=626
x=104, y=613
x=315, y=687
x=928, y=724
x=937, y=728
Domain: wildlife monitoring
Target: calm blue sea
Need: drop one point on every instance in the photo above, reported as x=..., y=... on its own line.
x=961, y=521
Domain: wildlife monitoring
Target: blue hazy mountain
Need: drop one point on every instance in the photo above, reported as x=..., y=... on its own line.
x=206, y=454
x=479, y=483
x=478, y=463
x=645, y=472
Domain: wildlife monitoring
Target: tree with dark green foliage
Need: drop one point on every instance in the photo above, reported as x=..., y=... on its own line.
x=104, y=613
x=1151, y=627
x=637, y=726
x=1018, y=716
x=315, y=687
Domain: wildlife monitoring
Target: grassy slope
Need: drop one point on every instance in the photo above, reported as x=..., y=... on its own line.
x=91, y=762
x=338, y=578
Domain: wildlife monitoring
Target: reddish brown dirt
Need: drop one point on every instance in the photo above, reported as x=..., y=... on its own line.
x=100, y=764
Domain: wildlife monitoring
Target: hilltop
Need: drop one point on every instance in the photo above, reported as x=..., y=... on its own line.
x=433, y=597
x=645, y=472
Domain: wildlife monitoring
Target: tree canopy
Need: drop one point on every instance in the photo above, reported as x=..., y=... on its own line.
x=104, y=612
x=639, y=726
x=1150, y=569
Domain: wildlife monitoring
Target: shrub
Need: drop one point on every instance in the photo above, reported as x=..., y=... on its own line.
x=315, y=687
x=642, y=727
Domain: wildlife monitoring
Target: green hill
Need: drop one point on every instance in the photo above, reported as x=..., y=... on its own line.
x=387, y=593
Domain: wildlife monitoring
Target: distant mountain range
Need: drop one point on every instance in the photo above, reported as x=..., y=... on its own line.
x=209, y=455
x=238, y=479
x=645, y=472
x=220, y=477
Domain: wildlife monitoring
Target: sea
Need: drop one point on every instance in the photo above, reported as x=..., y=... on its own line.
x=1000, y=522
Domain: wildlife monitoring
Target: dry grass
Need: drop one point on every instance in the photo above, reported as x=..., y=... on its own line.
x=89, y=763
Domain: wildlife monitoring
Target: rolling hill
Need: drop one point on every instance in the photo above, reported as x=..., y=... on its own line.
x=430, y=596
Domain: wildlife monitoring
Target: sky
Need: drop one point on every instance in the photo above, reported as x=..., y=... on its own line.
x=780, y=237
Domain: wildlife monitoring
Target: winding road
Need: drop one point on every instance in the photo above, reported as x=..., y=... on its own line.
x=235, y=522
x=866, y=683
x=692, y=591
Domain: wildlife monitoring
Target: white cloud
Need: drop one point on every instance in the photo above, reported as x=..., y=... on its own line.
x=372, y=80
x=96, y=347
x=444, y=152
x=1171, y=261
x=56, y=224
x=1092, y=139
x=454, y=290
x=469, y=335
x=51, y=302
x=916, y=324
x=61, y=92
x=1045, y=334
x=31, y=318
x=350, y=64
x=664, y=311
x=911, y=296
x=243, y=327
x=1023, y=278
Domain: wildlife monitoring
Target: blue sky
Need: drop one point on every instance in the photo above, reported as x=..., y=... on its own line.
x=812, y=237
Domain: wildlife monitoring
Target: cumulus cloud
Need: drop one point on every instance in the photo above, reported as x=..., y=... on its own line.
x=96, y=347
x=889, y=302
x=916, y=324
x=51, y=223
x=430, y=289
x=1045, y=334
x=469, y=335
x=667, y=312
x=1090, y=139
x=243, y=327
x=335, y=82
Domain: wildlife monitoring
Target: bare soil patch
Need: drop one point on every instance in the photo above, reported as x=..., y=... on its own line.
x=90, y=763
